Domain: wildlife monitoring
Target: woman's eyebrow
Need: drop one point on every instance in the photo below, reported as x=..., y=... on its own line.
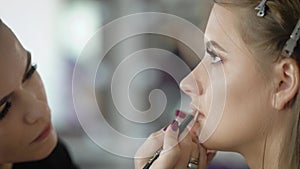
x=214, y=44
x=27, y=65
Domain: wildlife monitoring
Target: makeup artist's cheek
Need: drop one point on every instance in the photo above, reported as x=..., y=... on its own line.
x=37, y=87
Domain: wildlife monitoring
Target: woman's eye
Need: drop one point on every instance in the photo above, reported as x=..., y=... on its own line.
x=214, y=56
x=30, y=72
x=216, y=59
x=5, y=110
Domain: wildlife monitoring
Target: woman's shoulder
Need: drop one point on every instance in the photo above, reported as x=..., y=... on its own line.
x=59, y=158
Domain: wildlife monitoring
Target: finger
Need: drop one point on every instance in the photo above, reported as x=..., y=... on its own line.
x=171, y=136
x=148, y=149
x=187, y=146
x=195, y=153
x=188, y=142
x=210, y=155
x=194, y=158
x=203, y=157
x=171, y=152
x=195, y=129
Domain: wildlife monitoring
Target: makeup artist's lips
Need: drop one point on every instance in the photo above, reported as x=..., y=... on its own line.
x=44, y=134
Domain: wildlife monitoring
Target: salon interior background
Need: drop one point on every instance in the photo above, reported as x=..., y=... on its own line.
x=55, y=31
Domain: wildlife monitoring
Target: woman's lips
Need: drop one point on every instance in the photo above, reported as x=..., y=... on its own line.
x=44, y=134
x=196, y=129
x=198, y=114
x=201, y=115
x=199, y=120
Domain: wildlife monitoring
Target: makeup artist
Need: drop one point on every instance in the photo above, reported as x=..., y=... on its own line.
x=28, y=140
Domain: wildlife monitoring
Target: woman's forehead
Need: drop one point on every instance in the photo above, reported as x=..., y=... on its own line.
x=223, y=28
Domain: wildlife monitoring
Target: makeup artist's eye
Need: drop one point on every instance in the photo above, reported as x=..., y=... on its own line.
x=3, y=113
x=214, y=56
x=5, y=110
x=30, y=72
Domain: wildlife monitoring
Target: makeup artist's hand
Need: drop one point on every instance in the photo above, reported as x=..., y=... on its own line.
x=176, y=151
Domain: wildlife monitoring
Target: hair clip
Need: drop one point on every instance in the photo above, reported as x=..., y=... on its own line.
x=261, y=8
x=292, y=42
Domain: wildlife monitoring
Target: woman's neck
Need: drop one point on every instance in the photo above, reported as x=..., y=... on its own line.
x=258, y=154
x=6, y=166
x=273, y=149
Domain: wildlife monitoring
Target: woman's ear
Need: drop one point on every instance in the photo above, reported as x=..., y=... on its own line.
x=286, y=82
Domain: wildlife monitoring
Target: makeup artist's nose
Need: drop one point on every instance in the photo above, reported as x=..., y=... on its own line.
x=37, y=113
x=191, y=85
x=35, y=109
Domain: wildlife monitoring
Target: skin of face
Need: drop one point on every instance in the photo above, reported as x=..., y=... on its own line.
x=29, y=114
x=248, y=109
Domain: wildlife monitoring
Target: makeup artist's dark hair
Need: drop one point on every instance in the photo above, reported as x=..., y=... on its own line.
x=266, y=37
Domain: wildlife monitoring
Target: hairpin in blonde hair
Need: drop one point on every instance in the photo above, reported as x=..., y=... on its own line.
x=261, y=7
x=292, y=42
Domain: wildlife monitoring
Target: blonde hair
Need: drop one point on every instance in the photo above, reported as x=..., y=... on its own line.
x=267, y=36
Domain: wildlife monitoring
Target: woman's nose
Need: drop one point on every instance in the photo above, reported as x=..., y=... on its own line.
x=191, y=85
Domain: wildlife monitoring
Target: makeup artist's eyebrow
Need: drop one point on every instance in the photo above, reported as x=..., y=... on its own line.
x=214, y=44
x=27, y=65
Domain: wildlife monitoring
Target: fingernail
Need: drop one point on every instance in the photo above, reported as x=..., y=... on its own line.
x=174, y=125
x=180, y=114
x=165, y=128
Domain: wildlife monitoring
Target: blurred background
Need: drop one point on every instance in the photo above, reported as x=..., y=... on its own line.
x=56, y=31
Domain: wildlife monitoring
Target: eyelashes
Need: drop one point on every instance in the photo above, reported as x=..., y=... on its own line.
x=30, y=72
x=5, y=110
x=214, y=56
x=28, y=75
